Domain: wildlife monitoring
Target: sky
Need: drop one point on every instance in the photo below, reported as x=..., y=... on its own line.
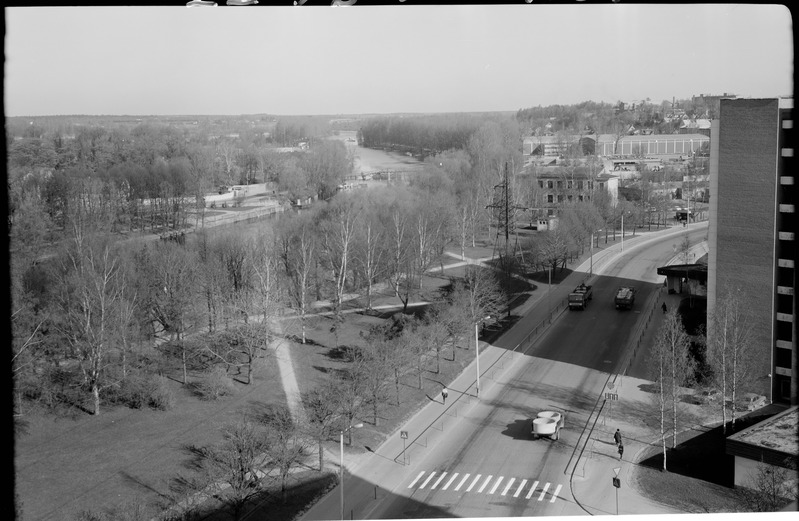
x=362, y=59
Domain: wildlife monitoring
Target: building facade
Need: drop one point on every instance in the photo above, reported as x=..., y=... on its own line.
x=751, y=232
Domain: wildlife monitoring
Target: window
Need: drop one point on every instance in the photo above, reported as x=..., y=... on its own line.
x=569, y=185
x=560, y=198
x=550, y=198
x=591, y=185
x=560, y=185
x=579, y=197
x=549, y=184
x=571, y=198
x=540, y=184
x=579, y=185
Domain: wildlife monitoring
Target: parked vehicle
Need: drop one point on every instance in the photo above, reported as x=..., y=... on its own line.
x=578, y=299
x=625, y=297
x=750, y=402
x=707, y=396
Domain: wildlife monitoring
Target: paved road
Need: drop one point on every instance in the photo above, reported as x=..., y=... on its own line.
x=488, y=439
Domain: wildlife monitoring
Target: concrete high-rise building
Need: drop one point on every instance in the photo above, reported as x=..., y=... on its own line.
x=751, y=234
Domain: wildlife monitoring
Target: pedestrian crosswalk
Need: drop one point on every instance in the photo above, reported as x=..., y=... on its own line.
x=485, y=484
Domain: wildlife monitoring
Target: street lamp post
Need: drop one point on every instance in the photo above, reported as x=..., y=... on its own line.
x=341, y=465
x=477, y=354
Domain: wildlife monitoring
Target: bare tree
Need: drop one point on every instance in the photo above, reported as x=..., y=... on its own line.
x=338, y=222
x=287, y=445
x=237, y=461
x=672, y=368
x=771, y=487
x=90, y=302
x=730, y=347
x=322, y=407
x=298, y=246
x=171, y=275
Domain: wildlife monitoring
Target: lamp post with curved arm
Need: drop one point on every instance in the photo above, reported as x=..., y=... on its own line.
x=477, y=353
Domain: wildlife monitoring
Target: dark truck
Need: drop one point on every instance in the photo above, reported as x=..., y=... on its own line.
x=625, y=297
x=578, y=299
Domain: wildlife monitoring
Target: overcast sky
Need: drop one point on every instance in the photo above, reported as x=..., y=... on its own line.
x=383, y=59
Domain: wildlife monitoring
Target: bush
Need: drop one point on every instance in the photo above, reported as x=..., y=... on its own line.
x=162, y=397
x=140, y=389
x=214, y=384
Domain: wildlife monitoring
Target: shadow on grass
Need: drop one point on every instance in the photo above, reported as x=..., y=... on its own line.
x=701, y=457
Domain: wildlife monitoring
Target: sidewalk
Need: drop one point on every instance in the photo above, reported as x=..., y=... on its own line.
x=426, y=427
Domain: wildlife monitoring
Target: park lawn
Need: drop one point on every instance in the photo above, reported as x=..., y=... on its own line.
x=68, y=464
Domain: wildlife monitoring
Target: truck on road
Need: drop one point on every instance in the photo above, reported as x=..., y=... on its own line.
x=578, y=299
x=625, y=297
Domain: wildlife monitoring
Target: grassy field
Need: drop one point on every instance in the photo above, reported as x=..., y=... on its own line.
x=75, y=462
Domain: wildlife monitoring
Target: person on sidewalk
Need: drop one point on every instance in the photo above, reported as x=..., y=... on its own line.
x=444, y=394
x=665, y=308
x=621, y=450
x=617, y=438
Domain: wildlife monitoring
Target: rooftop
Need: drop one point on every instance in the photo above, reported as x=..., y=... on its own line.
x=778, y=433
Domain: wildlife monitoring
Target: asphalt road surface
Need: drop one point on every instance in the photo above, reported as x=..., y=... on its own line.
x=487, y=464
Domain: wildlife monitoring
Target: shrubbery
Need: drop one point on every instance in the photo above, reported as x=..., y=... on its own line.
x=214, y=384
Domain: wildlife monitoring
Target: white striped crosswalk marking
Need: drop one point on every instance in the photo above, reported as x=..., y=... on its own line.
x=450, y=481
x=496, y=484
x=417, y=479
x=519, y=490
x=428, y=479
x=473, y=483
x=543, y=492
x=532, y=489
x=555, y=494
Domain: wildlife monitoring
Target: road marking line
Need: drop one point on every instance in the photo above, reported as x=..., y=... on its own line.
x=438, y=481
x=494, y=488
x=417, y=479
x=508, y=486
x=473, y=482
x=450, y=481
x=521, y=486
x=485, y=483
x=462, y=482
x=428, y=479
x=543, y=492
x=555, y=494
x=530, y=494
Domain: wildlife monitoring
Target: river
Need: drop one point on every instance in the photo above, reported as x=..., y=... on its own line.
x=366, y=161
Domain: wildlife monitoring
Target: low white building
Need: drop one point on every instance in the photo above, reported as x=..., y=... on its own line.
x=774, y=441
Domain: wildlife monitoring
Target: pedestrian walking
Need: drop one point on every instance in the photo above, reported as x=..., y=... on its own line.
x=617, y=438
x=665, y=308
x=444, y=394
x=621, y=450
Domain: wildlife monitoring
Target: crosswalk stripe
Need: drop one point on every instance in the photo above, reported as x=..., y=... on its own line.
x=438, y=481
x=521, y=486
x=428, y=479
x=507, y=487
x=417, y=479
x=450, y=481
x=473, y=482
x=543, y=492
x=462, y=482
x=530, y=494
x=484, y=484
x=496, y=484
x=555, y=494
